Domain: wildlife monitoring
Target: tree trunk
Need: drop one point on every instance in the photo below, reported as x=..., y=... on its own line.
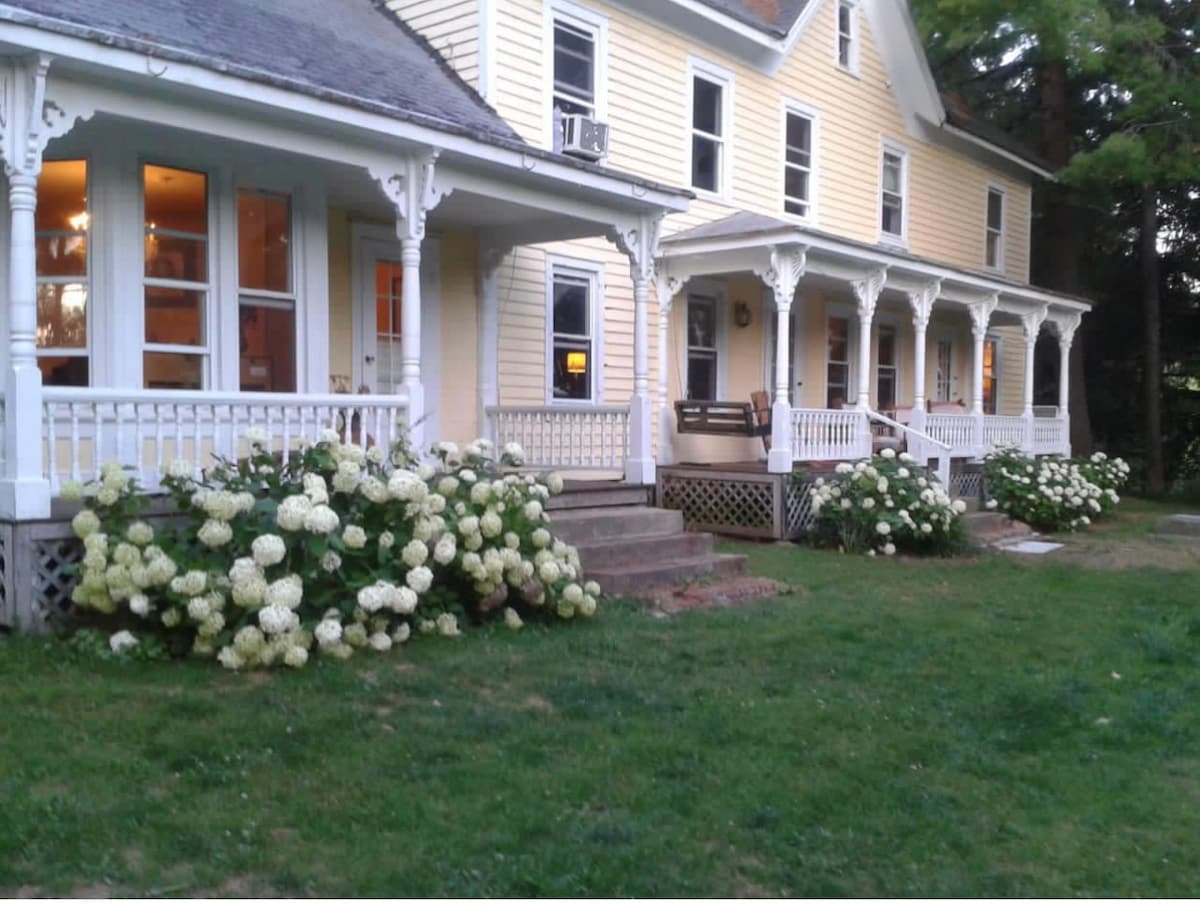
x=1152, y=338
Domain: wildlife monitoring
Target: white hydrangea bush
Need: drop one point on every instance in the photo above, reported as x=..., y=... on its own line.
x=1051, y=493
x=885, y=505
x=341, y=549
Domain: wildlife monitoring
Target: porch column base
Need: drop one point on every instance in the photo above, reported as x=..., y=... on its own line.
x=639, y=466
x=24, y=499
x=416, y=418
x=779, y=459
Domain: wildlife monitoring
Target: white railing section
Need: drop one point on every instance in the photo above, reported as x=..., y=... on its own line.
x=1003, y=431
x=1050, y=436
x=955, y=431
x=920, y=445
x=594, y=437
x=82, y=429
x=826, y=435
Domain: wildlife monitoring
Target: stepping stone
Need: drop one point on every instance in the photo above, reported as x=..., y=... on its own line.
x=1037, y=547
x=1179, y=527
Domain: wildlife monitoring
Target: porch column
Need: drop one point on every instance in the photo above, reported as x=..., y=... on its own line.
x=1031, y=323
x=787, y=265
x=411, y=185
x=638, y=239
x=666, y=287
x=1067, y=325
x=921, y=301
x=981, y=314
x=866, y=293
x=491, y=256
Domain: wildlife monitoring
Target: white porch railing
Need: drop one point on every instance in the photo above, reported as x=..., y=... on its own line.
x=83, y=428
x=922, y=446
x=1050, y=435
x=594, y=437
x=955, y=431
x=1003, y=431
x=826, y=435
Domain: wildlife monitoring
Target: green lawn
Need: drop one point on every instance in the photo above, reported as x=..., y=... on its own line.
x=987, y=727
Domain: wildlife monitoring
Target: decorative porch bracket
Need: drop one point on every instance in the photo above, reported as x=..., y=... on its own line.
x=1065, y=325
x=29, y=120
x=782, y=274
x=866, y=293
x=666, y=287
x=492, y=253
x=981, y=315
x=921, y=301
x=411, y=184
x=637, y=239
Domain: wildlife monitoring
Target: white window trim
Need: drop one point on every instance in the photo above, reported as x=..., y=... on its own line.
x=585, y=19
x=793, y=107
x=998, y=340
x=889, y=146
x=88, y=351
x=998, y=267
x=593, y=272
x=842, y=310
x=716, y=291
x=855, y=37
x=718, y=75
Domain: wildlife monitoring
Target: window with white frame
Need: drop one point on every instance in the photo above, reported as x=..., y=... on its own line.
x=893, y=195
x=573, y=342
x=702, y=352
x=847, y=35
x=61, y=223
x=995, y=229
x=266, y=296
x=944, y=358
x=577, y=49
x=885, y=368
x=710, y=126
x=991, y=362
x=798, y=162
x=837, y=362
x=176, y=282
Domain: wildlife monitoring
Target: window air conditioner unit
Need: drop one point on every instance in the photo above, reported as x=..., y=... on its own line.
x=583, y=137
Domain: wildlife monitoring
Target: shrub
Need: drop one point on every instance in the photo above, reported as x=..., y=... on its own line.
x=337, y=550
x=886, y=504
x=1051, y=493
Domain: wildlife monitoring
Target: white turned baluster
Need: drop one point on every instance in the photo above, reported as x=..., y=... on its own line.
x=97, y=437
x=74, y=415
x=178, y=419
x=139, y=443
x=196, y=438
x=159, y=443
x=51, y=414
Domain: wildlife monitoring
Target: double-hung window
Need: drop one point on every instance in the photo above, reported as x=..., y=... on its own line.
x=573, y=342
x=577, y=37
x=266, y=295
x=944, y=357
x=847, y=35
x=837, y=373
x=893, y=194
x=798, y=163
x=991, y=351
x=702, y=355
x=994, y=249
x=885, y=368
x=61, y=225
x=711, y=96
x=176, y=281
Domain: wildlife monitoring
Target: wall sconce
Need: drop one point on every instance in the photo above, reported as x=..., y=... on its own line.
x=577, y=362
x=742, y=316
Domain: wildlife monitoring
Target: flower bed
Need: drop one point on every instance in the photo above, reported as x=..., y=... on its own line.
x=1051, y=493
x=340, y=549
x=886, y=505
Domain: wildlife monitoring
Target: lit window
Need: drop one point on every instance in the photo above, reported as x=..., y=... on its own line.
x=945, y=358
x=572, y=347
x=837, y=376
x=885, y=369
x=708, y=133
x=176, y=278
x=995, y=229
x=798, y=165
x=847, y=38
x=389, y=324
x=266, y=300
x=62, y=222
x=990, y=353
x=892, y=198
x=701, y=347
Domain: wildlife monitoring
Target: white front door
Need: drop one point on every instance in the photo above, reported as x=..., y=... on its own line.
x=379, y=323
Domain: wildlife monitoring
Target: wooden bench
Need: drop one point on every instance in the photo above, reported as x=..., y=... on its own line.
x=725, y=419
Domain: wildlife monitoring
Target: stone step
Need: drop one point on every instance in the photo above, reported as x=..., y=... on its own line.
x=640, y=579
x=1179, y=525
x=597, y=494
x=994, y=527
x=634, y=550
x=577, y=526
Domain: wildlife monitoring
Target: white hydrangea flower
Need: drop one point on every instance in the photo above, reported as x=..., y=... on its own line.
x=199, y=609
x=380, y=641
x=85, y=523
x=328, y=632
x=447, y=625
x=887, y=453
x=330, y=561
x=572, y=593
x=190, y=583
x=268, y=550
x=321, y=520
x=292, y=512
x=419, y=579
x=549, y=572
x=554, y=483
x=248, y=641
x=512, y=618
x=868, y=503
x=374, y=489
x=286, y=592
x=490, y=524
x=387, y=540
x=889, y=549
x=468, y=476
x=533, y=510
x=883, y=528
x=215, y=533
x=277, y=620
x=445, y=549
x=415, y=553
x=406, y=486
x=354, y=537
x=481, y=493
x=230, y=658
x=295, y=656
x=119, y=642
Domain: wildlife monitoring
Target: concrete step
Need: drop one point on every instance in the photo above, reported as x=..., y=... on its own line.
x=577, y=526
x=993, y=527
x=635, y=580
x=1179, y=525
x=597, y=494
x=635, y=550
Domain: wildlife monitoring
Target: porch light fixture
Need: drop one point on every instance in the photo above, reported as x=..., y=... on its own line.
x=577, y=362
x=79, y=222
x=742, y=316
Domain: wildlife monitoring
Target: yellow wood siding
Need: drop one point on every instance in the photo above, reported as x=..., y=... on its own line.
x=451, y=26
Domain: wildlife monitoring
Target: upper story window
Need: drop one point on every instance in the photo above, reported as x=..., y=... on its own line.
x=61, y=223
x=577, y=68
x=893, y=200
x=712, y=90
x=994, y=253
x=266, y=297
x=798, y=162
x=847, y=35
x=573, y=356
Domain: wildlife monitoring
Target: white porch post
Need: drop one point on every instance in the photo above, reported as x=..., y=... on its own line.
x=666, y=287
x=1031, y=322
x=1067, y=325
x=981, y=314
x=921, y=301
x=412, y=188
x=866, y=293
x=488, y=338
x=782, y=275
x=639, y=241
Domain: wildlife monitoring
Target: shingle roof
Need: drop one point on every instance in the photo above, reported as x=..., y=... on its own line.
x=349, y=51
x=959, y=115
x=775, y=17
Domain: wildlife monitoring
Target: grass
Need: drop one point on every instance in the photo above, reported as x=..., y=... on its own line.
x=891, y=728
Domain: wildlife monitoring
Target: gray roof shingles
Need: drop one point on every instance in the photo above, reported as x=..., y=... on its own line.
x=775, y=17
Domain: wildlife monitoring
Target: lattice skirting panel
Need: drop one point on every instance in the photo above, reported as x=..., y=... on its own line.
x=740, y=504
x=38, y=562
x=967, y=482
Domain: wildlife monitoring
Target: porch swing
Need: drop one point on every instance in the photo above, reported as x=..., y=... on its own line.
x=726, y=419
